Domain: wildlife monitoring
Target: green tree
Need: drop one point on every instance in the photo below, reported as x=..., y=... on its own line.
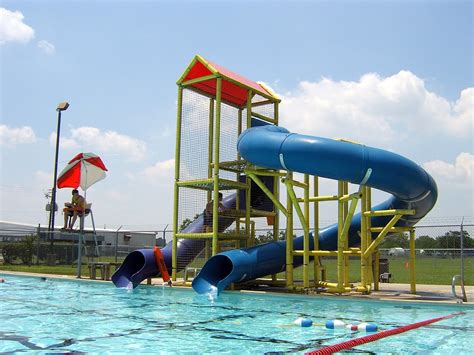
x=452, y=240
x=268, y=237
x=399, y=240
x=186, y=222
x=426, y=242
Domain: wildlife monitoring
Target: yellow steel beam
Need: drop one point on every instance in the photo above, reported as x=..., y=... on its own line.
x=206, y=184
x=297, y=207
x=231, y=236
x=323, y=198
x=198, y=80
x=347, y=198
x=350, y=214
x=193, y=235
x=263, y=117
x=389, y=212
x=392, y=230
x=382, y=234
x=326, y=252
x=262, y=103
x=267, y=192
x=295, y=183
x=264, y=172
x=261, y=213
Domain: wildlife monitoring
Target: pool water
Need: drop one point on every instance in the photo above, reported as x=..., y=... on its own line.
x=53, y=315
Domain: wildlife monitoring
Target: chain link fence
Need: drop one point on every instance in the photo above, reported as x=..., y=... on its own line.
x=438, y=251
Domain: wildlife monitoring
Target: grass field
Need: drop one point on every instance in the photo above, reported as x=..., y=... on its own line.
x=429, y=270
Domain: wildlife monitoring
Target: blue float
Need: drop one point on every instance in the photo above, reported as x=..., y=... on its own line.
x=335, y=323
x=368, y=327
x=303, y=322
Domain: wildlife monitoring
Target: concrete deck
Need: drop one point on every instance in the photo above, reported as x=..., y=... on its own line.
x=388, y=291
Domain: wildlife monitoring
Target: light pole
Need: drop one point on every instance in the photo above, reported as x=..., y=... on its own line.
x=61, y=107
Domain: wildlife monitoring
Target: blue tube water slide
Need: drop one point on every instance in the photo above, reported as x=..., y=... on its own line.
x=140, y=264
x=275, y=147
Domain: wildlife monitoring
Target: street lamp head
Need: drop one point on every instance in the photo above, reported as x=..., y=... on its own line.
x=63, y=106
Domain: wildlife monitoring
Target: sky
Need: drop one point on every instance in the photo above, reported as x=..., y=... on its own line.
x=396, y=75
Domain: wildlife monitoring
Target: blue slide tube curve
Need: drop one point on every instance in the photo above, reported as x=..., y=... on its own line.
x=140, y=264
x=276, y=148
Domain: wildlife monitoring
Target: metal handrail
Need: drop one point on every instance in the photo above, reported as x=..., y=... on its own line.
x=453, y=288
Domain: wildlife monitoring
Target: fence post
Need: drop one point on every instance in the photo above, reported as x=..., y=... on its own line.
x=116, y=242
x=38, y=231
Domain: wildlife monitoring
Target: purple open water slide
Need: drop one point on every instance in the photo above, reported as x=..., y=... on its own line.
x=140, y=264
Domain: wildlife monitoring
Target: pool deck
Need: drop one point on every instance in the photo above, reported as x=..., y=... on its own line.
x=424, y=293
x=388, y=291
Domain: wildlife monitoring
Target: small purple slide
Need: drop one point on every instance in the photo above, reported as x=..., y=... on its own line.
x=140, y=264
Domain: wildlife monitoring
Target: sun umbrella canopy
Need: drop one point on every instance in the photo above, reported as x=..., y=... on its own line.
x=84, y=170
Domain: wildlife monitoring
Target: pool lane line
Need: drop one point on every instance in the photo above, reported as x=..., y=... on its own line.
x=373, y=337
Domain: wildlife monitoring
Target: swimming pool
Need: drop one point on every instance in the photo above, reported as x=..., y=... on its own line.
x=55, y=315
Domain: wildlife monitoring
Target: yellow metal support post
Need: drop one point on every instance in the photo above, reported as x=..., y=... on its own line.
x=369, y=259
x=304, y=223
x=208, y=245
x=340, y=239
x=316, y=259
x=210, y=145
x=215, y=207
x=248, y=192
x=306, y=229
x=179, y=115
x=237, y=197
x=276, y=188
x=345, y=232
x=276, y=218
x=363, y=239
x=289, y=238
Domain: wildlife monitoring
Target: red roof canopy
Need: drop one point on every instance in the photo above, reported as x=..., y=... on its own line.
x=234, y=86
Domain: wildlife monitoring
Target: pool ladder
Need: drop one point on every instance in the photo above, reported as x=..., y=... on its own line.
x=463, y=298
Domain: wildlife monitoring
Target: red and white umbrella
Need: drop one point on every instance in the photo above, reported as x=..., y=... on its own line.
x=84, y=170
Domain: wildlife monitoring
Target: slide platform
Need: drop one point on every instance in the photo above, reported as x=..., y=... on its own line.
x=275, y=147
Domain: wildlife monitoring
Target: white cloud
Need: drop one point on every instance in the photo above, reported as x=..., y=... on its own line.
x=161, y=173
x=12, y=27
x=43, y=179
x=376, y=110
x=64, y=142
x=13, y=136
x=461, y=171
x=46, y=47
x=93, y=139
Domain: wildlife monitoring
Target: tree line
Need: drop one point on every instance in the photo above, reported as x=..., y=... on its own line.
x=450, y=240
